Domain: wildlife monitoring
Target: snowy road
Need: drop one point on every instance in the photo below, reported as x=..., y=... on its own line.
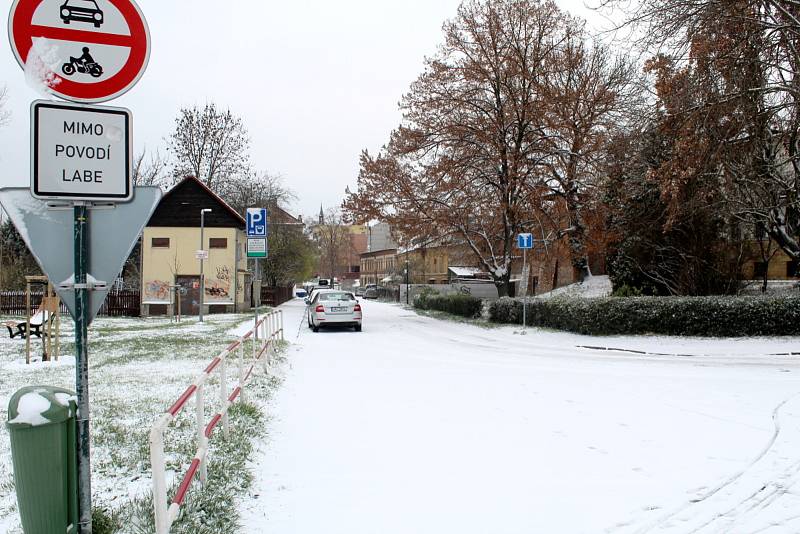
x=419, y=425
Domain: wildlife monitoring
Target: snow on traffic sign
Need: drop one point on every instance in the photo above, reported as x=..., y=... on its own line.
x=81, y=50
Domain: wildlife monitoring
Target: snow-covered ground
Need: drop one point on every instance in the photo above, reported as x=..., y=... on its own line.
x=138, y=367
x=419, y=425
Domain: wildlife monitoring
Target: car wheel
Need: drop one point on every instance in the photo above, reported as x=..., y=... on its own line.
x=315, y=328
x=357, y=328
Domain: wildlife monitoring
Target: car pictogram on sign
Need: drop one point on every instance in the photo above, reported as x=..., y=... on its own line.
x=82, y=11
x=50, y=39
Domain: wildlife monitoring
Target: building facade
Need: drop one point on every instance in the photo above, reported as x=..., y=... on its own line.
x=170, y=264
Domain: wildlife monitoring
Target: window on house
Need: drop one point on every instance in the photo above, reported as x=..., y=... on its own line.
x=355, y=268
x=159, y=242
x=759, y=268
x=218, y=242
x=791, y=269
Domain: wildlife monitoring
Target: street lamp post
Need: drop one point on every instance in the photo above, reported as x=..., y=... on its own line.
x=202, y=248
x=407, y=278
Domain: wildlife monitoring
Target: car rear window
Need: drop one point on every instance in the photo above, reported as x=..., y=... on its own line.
x=338, y=297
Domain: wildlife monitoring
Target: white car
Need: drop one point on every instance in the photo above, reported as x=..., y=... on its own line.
x=329, y=307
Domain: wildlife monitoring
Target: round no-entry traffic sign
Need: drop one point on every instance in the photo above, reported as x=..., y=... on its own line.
x=80, y=50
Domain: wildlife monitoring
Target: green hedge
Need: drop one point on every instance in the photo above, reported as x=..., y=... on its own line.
x=457, y=304
x=680, y=316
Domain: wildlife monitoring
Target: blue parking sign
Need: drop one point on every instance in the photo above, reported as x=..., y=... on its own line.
x=256, y=222
x=525, y=241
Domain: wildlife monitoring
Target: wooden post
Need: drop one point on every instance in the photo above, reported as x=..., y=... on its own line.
x=28, y=322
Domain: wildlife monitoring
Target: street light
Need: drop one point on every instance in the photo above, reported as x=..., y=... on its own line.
x=407, y=278
x=202, y=248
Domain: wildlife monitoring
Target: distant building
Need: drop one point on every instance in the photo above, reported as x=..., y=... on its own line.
x=379, y=267
x=353, y=243
x=380, y=237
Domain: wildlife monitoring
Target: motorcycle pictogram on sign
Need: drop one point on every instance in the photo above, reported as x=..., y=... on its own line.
x=87, y=51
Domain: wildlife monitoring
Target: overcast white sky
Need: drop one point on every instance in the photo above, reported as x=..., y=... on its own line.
x=315, y=81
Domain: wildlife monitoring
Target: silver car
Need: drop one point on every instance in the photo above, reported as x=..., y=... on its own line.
x=330, y=307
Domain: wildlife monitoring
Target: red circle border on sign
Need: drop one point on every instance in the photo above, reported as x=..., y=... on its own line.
x=21, y=34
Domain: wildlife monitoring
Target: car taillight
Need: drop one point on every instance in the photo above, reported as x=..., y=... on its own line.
x=357, y=308
x=320, y=309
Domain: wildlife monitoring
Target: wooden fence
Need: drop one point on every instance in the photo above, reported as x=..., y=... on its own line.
x=275, y=296
x=117, y=303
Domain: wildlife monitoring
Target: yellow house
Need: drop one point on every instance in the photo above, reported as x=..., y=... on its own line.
x=171, y=264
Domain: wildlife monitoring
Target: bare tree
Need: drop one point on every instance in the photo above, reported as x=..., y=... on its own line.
x=209, y=144
x=500, y=134
x=262, y=190
x=5, y=114
x=333, y=241
x=149, y=170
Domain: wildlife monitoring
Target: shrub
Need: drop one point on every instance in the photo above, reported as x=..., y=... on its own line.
x=457, y=304
x=681, y=316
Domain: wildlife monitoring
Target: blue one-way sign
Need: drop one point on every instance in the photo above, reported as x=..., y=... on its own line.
x=525, y=241
x=256, y=222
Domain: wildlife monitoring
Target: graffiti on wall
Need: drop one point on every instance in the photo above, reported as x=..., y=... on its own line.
x=219, y=289
x=156, y=290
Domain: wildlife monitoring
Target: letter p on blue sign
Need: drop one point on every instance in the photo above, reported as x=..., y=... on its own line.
x=256, y=222
x=525, y=241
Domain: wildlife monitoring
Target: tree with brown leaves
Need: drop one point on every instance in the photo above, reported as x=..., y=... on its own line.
x=499, y=134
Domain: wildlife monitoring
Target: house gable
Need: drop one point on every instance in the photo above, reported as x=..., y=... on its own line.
x=180, y=208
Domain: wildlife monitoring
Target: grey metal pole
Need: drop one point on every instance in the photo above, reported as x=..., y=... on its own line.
x=202, y=277
x=408, y=275
x=256, y=299
x=81, y=257
x=525, y=285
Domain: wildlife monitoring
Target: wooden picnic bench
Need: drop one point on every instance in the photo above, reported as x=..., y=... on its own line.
x=36, y=322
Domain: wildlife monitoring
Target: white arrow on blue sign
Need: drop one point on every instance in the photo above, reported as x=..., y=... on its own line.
x=525, y=241
x=256, y=222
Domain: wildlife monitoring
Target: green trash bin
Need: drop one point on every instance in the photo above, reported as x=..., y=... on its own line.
x=41, y=422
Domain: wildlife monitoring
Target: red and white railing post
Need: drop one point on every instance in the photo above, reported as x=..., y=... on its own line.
x=165, y=513
x=241, y=370
x=223, y=396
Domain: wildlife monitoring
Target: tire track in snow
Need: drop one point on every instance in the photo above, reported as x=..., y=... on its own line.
x=746, y=488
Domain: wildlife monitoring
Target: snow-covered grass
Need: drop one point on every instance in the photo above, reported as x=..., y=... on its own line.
x=428, y=426
x=138, y=367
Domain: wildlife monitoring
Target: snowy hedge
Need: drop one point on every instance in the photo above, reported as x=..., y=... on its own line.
x=457, y=304
x=681, y=316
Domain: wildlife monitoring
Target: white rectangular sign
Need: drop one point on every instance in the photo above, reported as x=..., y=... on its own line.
x=80, y=152
x=256, y=247
x=201, y=254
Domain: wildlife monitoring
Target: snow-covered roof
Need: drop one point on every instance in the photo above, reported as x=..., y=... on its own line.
x=464, y=271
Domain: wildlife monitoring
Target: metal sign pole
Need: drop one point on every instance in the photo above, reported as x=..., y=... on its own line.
x=256, y=299
x=525, y=285
x=81, y=242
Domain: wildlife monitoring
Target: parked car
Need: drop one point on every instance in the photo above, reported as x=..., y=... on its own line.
x=81, y=11
x=371, y=292
x=360, y=291
x=329, y=307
